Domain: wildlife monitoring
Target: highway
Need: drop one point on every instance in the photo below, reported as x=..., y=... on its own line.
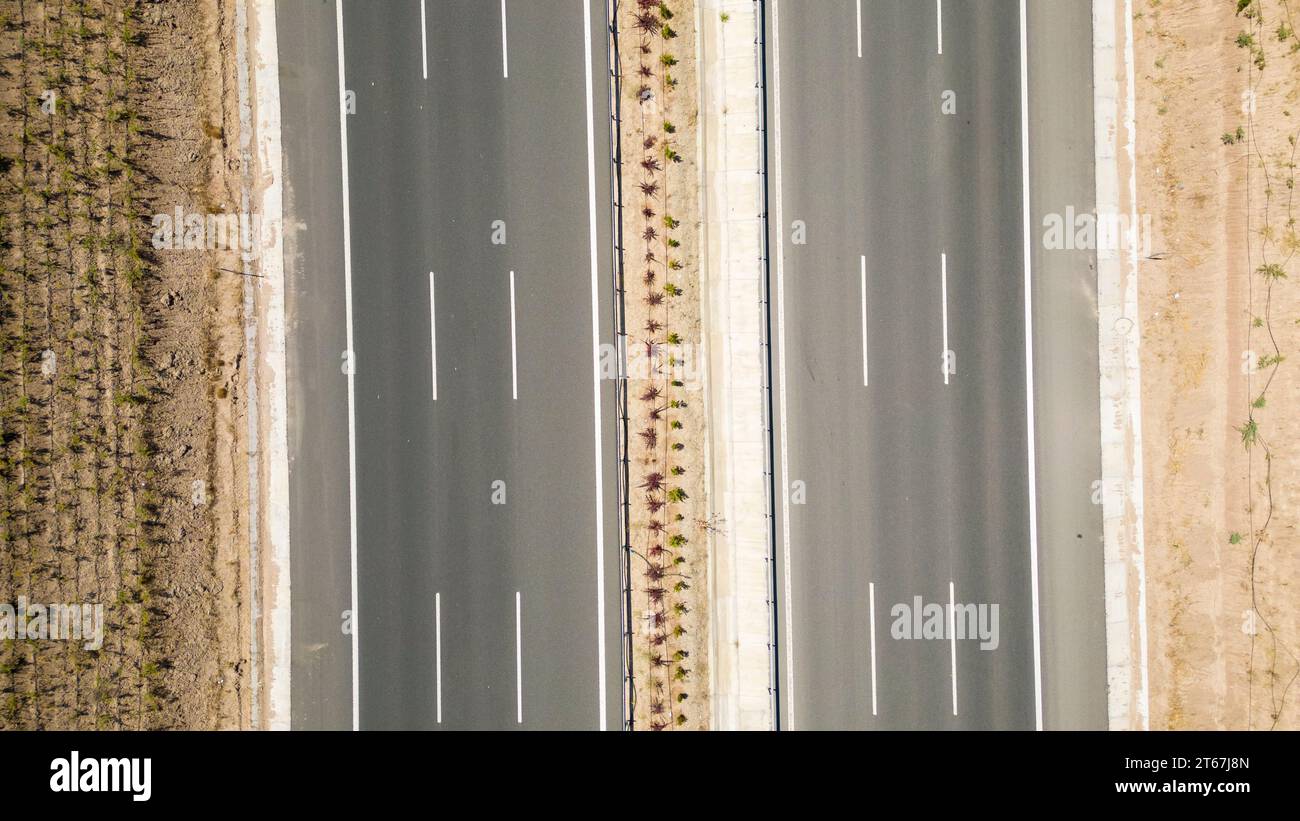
x=452, y=478
x=934, y=368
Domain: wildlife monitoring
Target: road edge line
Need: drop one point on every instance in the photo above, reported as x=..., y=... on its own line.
x=595, y=363
x=1029, y=368
x=351, y=374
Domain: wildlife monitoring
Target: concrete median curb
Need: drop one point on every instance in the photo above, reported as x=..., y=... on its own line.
x=268, y=462
x=734, y=316
x=1119, y=336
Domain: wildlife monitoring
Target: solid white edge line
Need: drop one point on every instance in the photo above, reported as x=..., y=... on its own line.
x=859, y=4
x=871, y=597
x=352, y=367
x=864, y=321
x=437, y=644
x=943, y=278
x=1029, y=371
x=775, y=125
x=424, y=42
x=519, y=662
x=938, y=12
x=514, y=355
x=595, y=372
x=952, y=640
x=505, y=60
x=433, y=335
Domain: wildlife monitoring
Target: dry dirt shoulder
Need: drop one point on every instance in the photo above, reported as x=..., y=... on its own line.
x=121, y=455
x=1218, y=119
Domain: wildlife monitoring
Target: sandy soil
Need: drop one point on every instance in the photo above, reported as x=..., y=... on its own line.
x=661, y=226
x=1221, y=511
x=119, y=372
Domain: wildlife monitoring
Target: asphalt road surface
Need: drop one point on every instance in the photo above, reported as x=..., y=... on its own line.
x=910, y=460
x=452, y=480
